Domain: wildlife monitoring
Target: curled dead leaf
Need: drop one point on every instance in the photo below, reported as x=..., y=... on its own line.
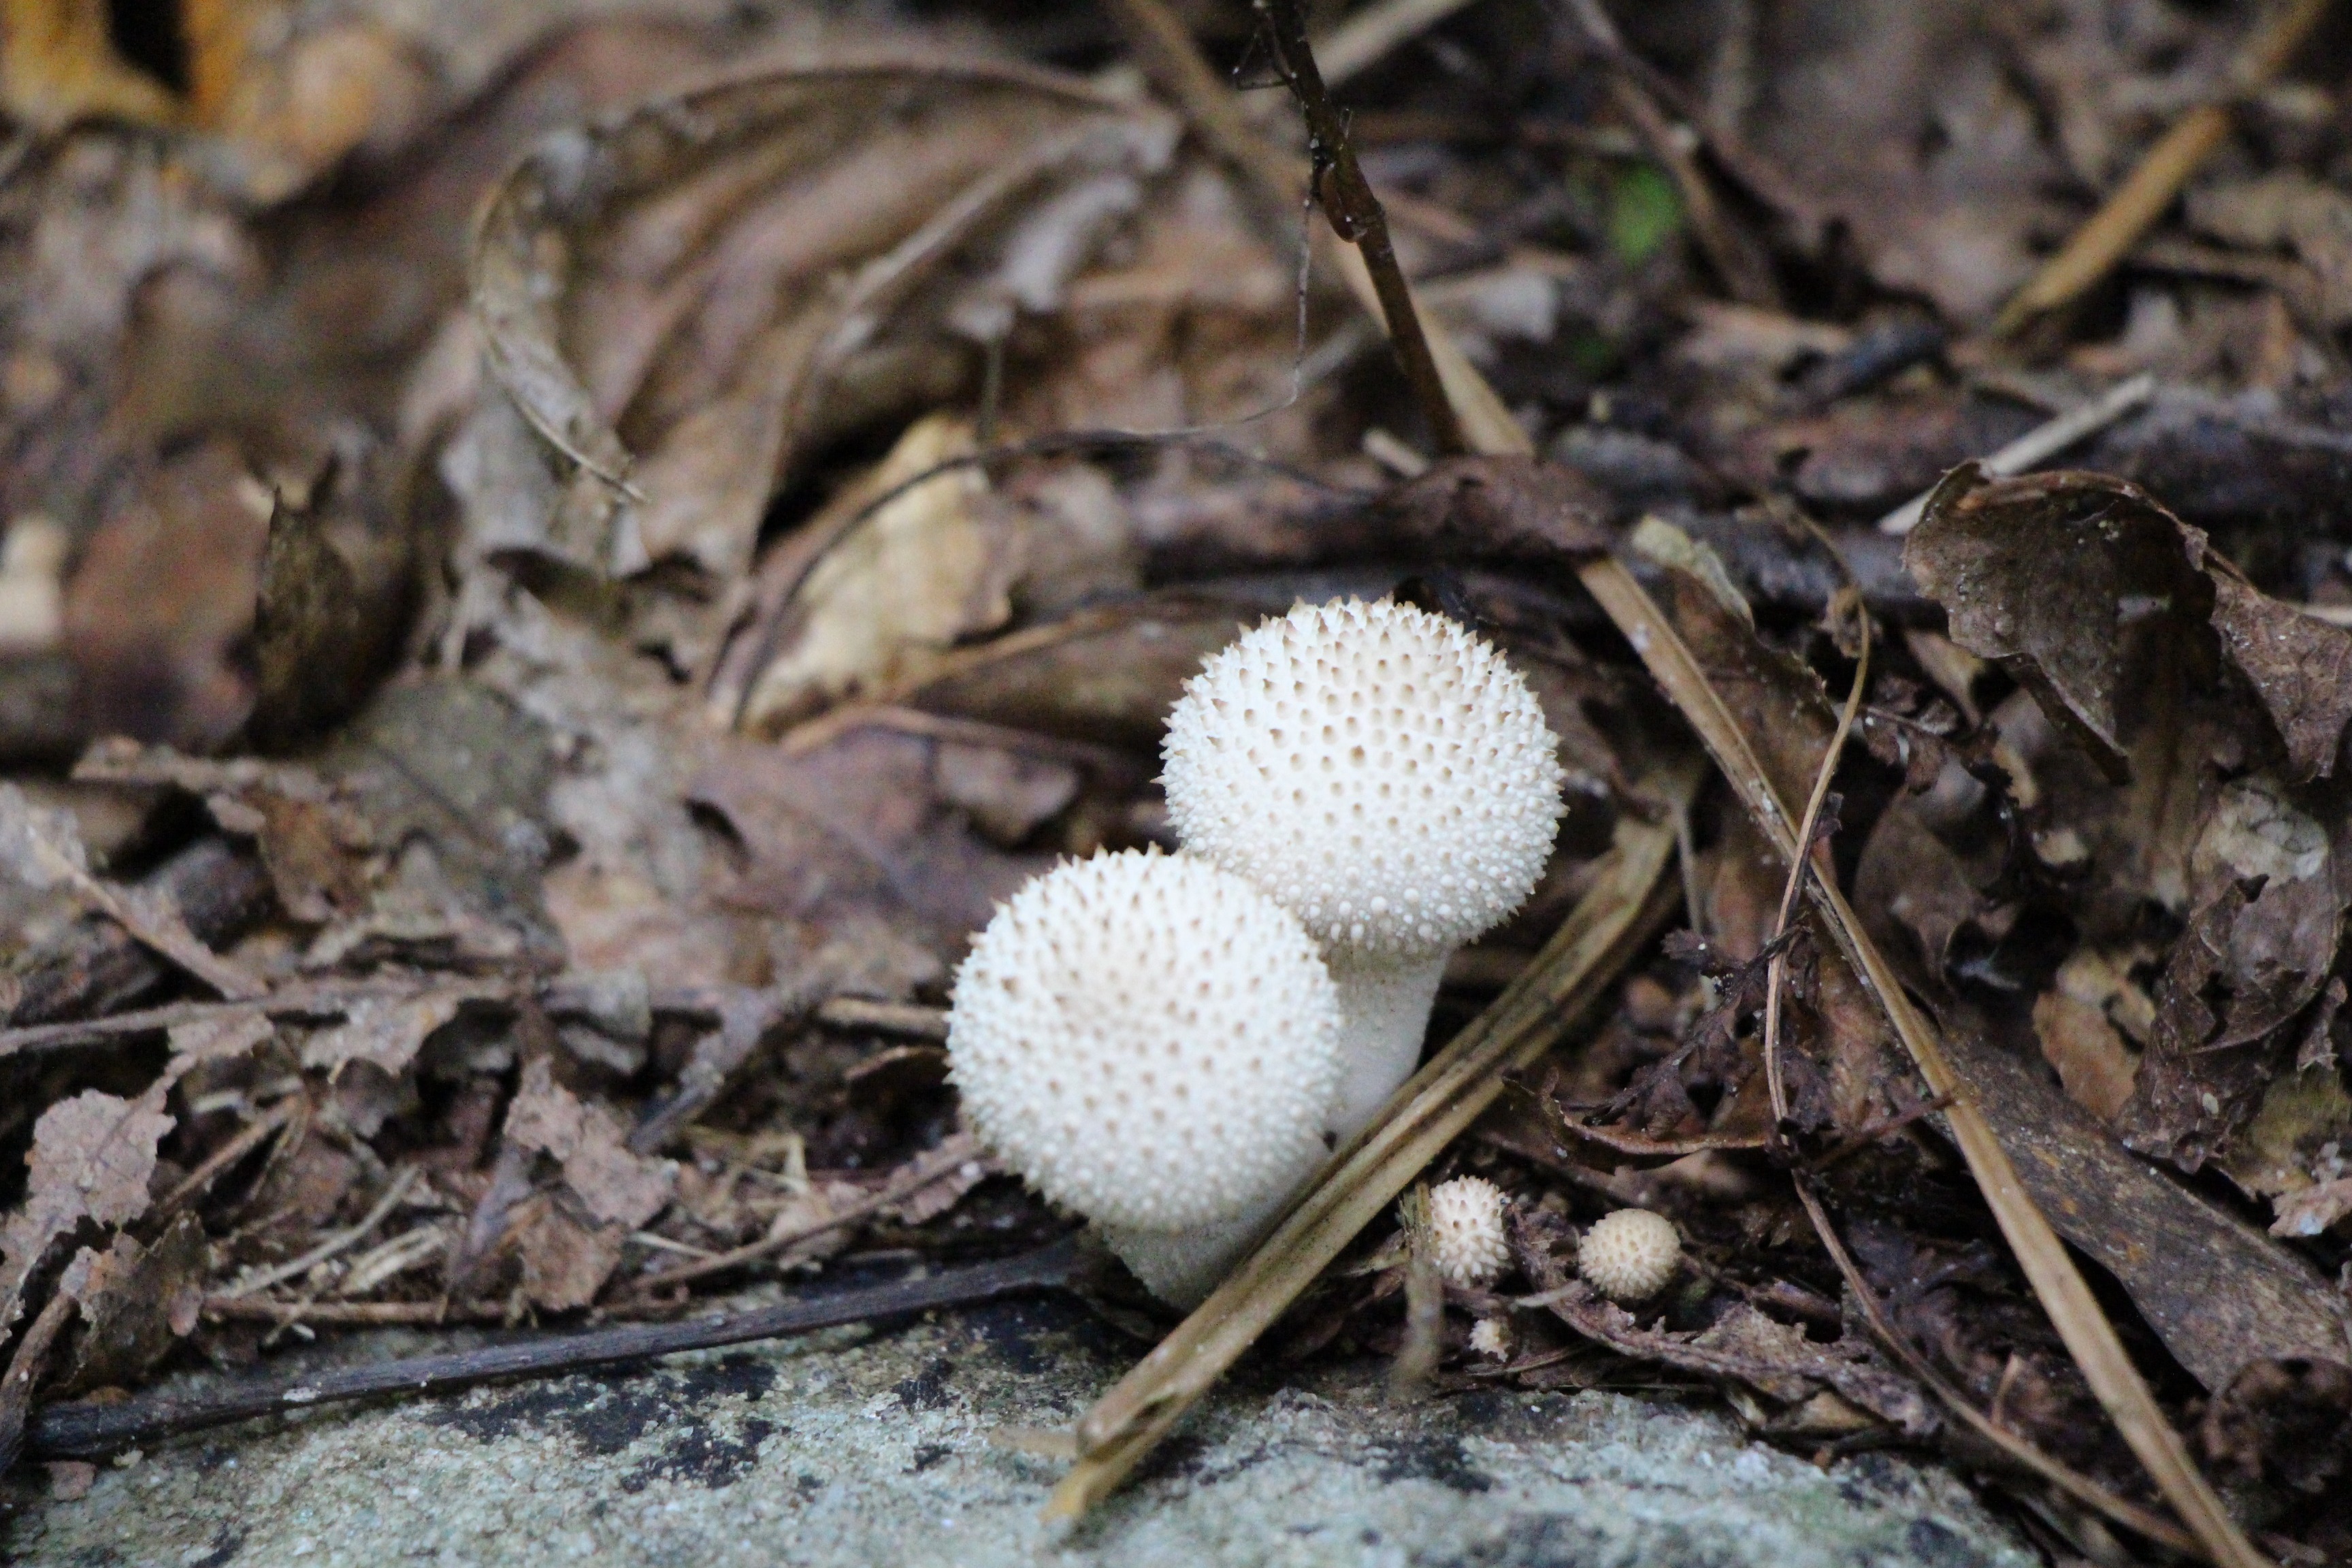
x=677, y=302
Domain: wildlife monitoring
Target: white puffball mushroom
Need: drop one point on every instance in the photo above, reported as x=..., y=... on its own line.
x=1491, y=1337
x=1465, y=1229
x=1152, y=1042
x=1387, y=777
x=1629, y=1256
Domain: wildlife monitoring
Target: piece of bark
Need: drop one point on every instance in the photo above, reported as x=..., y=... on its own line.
x=2217, y=1293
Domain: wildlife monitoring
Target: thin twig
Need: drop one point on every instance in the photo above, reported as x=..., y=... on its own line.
x=2110, y=233
x=25, y=1369
x=1776, y=972
x=1355, y=215
x=1364, y=37
x=230, y=1153
x=295, y=1267
x=921, y=1172
x=90, y=1431
x=2044, y=441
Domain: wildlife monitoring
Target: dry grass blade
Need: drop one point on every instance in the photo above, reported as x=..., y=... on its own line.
x=1806, y=830
x=2141, y=199
x=1631, y=894
x=2063, y=1293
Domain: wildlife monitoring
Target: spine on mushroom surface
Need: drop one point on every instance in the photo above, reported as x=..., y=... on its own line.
x=1384, y=774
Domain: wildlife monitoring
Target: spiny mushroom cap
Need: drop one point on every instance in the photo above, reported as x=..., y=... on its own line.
x=1377, y=768
x=1148, y=1039
x=1491, y=1337
x=1628, y=1256
x=1466, y=1221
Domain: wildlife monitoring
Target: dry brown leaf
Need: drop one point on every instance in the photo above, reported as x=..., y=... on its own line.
x=2297, y=1138
x=161, y=596
x=923, y=571
x=2287, y=207
x=680, y=302
x=2063, y=578
x=1108, y=675
x=1857, y=102
x=2084, y=586
x=959, y=1164
x=856, y=822
x=91, y=1159
x=564, y=1261
x=2092, y=1062
x=2247, y=964
x=315, y=843
x=2314, y=1210
x=592, y=1145
x=136, y=1302
x=386, y=1032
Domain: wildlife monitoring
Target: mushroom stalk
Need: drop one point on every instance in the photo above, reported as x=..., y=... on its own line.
x=1182, y=1267
x=1384, y=1014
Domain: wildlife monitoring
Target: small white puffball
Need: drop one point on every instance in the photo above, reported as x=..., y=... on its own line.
x=1629, y=1254
x=1148, y=1040
x=1378, y=769
x=1491, y=1337
x=1465, y=1226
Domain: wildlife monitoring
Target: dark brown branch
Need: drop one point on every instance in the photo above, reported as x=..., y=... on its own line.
x=1355, y=215
x=80, y=1431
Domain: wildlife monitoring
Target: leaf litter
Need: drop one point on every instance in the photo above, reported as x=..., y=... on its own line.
x=512, y=729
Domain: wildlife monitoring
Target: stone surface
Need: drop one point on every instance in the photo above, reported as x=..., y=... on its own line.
x=857, y=1448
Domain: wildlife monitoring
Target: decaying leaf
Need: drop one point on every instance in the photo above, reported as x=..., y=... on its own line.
x=1106, y=674
x=2215, y=1290
x=136, y=1302
x=91, y=1159
x=923, y=571
x=2081, y=585
x=313, y=839
x=452, y=779
x=2094, y=1064
x=2247, y=964
x=564, y=1261
x=656, y=299
x=386, y=1032
x=858, y=820
x=2287, y=207
x=2062, y=578
x=2286, y=1419
x=162, y=594
x=591, y=1144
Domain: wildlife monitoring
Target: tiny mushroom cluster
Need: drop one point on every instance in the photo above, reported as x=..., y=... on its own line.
x=1171, y=1045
